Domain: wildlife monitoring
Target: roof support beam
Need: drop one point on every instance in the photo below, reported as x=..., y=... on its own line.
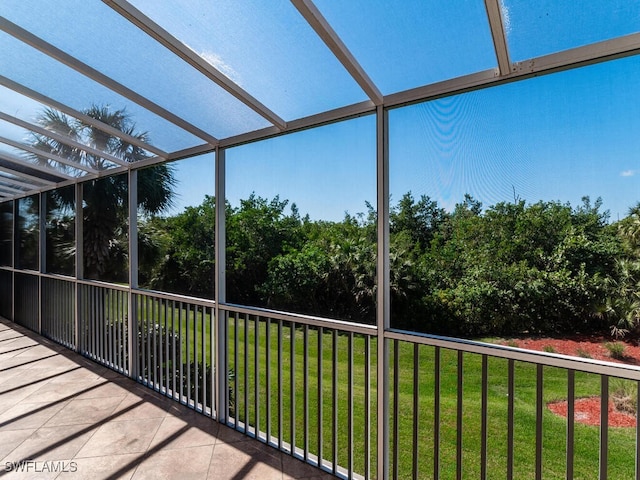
x=578, y=57
x=63, y=139
x=27, y=92
x=72, y=62
x=22, y=165
x=20, y=183
x=499, y=37
x=317, y=21
x=162, y=36
x=574, y=58
x=50, y=156
x=9, y=190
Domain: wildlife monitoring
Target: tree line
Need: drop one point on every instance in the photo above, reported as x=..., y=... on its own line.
x=512, y=267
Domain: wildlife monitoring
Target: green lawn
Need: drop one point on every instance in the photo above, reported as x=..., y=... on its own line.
x=266, y=390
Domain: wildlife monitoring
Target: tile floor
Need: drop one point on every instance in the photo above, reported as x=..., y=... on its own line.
x=64, y=416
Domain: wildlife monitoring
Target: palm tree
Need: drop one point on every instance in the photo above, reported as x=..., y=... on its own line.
x=105, y=206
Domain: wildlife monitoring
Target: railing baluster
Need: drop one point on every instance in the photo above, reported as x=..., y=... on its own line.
x=334, y=372
x=280, y=386
x=174, y=362
x=256, y=377
x=196, y=383
x=305, y=393
x=235, y=369
x=110, y=326
x=320, y=398
x=350, y=404
x=637, y=430
x=436, y=412
x=604, y=426
x=246, y=374
x=166, y=337
x=483, y=418
x=416, y=408
x=182, y=318
x=187, y=329
x=148, y=316
x=204, y=359
x=510, y=405
x=367, y=406
x=539, y=406
x=459, y=425
x=396, y=408
x=268, y=376
x=292, y=378
x=571, y=394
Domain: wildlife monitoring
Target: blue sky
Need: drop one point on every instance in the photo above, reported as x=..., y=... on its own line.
x=556, y=137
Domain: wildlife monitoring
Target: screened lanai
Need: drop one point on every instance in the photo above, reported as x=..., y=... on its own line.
x=408, y=190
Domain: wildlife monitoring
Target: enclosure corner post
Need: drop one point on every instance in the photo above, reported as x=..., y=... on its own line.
x=383, y=304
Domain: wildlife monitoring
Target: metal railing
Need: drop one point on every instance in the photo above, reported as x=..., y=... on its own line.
x=469, y=410
x=309, y=386
x=304, y=385
x=174, y=347
x=26, y=300
x=103, y=323
x=6, y=293
x=58, y=310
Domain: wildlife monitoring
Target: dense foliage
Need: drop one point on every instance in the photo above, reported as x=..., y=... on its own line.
x=509, y=268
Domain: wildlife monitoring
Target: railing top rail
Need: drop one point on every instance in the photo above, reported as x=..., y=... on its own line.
x=302, y=319
x=174, y=296
x=98, y=283
x=587, y=365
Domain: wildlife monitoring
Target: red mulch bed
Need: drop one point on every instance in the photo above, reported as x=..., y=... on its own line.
x=586, y=410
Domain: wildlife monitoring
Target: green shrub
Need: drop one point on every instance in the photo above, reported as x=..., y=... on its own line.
x=582, y=353
x=616, y=349
x=624, y=394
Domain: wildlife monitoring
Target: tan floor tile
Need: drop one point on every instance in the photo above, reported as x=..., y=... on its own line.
x=51, y=392
x=186, y=464
x=186, y=431
x=292, y=468
x=229, y=435
x=28, y=415
x=102, y=388
x=91, y=468
x=83, y=411
x=40, y=351
x=134, y=406
x=243, y=460
x=116, y=438
x=52, y=443
x=11, y=439
x=34, y=469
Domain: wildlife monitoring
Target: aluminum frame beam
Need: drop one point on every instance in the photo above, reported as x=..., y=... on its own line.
x=333, y=41
x=34, y=187
x=50, y=156
x=89, y=72
x=496, y=24
x=38, y=97
x=189, y=56
x=10, y=191
x=49, y=171
x=63, y=139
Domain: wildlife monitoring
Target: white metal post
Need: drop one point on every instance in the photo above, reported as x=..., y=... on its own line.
x=42, y=250
x=79, y=261
x=383, y=294
x=132, y=324
x=219, y=341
